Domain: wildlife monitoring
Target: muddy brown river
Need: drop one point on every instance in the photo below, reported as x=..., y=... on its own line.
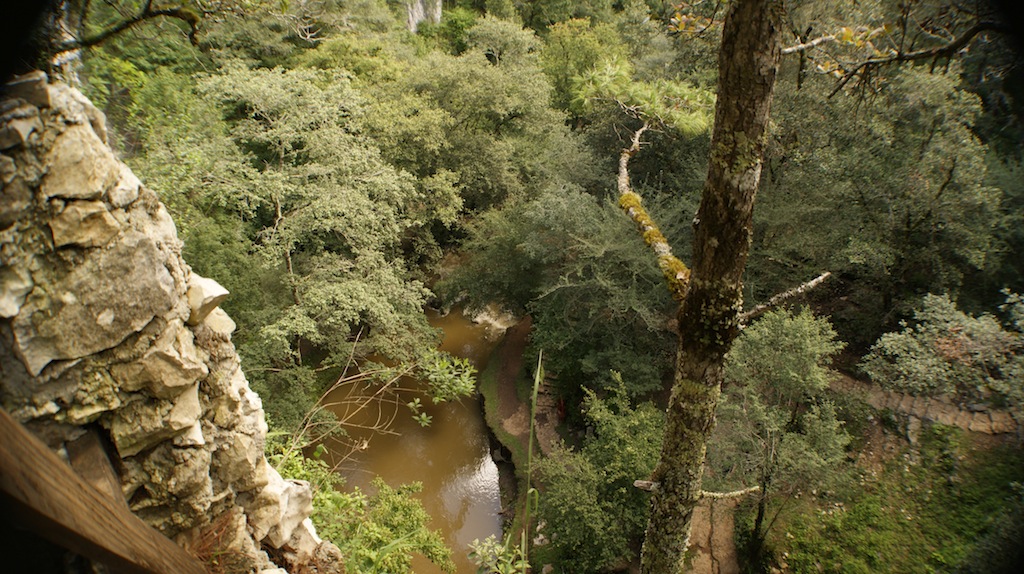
x=451, y=457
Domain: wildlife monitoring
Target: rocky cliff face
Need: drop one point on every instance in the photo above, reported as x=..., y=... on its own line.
x=105, y=328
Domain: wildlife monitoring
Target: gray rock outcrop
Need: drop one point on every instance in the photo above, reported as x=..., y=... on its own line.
x=104, y=326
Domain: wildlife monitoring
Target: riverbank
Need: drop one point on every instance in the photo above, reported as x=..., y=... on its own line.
x=501, y=405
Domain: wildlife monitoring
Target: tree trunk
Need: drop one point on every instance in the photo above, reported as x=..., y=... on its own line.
x=709, y=316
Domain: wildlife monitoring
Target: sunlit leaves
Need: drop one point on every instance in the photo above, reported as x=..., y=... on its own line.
x=946, y=351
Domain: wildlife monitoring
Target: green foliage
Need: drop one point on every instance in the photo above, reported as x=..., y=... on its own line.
x=784, y=356
x=901, y=178
x=571, y=49
x=453, y=29
x=541, y=14
x=329, y=216
x=914, y=517
x=677, y=105
x=596, y=295
x=448, y=378
x=592, y=511
x=492, y=557
x=947, y=351
x=775, y=431
x=377, y=533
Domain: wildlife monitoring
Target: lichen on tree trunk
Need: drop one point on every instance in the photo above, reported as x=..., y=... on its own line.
x=709, y=315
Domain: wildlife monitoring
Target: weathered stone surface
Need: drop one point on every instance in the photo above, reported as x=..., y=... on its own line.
x=303, y=543
x=296, y=506
x=126, y=190
x=237, y=460
x=980, y=422
x=219, y=322
x=81, y=167
x=84, y=223
x=15, y=285
x=203, y=297
x=100, y=333
x=1002, y=422
x=266, y=507
x=170, y=365
x=112, y=294
x=144, y=424
x=192, y=437
x=15, y=198
x=15, y=132
x=96, y=393
x=31, y=87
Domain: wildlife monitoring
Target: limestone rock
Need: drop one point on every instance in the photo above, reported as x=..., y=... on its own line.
x=96, y=393
x=219, y=322
x=81, y=166
x=15, y=132
x=303, y=543
x=30, y=87
x=237, y=460
x=15, y=285
x=168, y=367
x=126, y=190
x=265, y=508
x=84, y=223
x=296, y=506
x=203, y=297
x=112, y=294
x=15, y=198
x=192, y=437
x=144, y=424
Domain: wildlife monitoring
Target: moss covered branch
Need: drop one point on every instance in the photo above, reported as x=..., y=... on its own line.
x=677, y=274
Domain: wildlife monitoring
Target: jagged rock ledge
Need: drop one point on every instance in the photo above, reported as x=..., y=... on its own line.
x=105, y=328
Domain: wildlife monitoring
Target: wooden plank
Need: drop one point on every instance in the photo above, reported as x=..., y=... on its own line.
x=91, y=463
x=43, y=493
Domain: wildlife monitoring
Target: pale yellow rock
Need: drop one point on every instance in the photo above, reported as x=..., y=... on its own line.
x=84, y=223
x=203, y=297
x=80, y=166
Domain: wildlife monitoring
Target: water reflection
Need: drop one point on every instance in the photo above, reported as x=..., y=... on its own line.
x=451, y=457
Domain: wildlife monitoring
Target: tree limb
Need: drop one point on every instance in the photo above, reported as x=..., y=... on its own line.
x=808, y=45
x=651, y=486
x=146, y=13
x=758, y=310
x=676, y=273
x=946, y=50
x=733, y=494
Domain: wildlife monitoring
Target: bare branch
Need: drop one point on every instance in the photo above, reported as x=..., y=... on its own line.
x=646, y=485
x=758, y=310
x=808, y=45
x=947, y=50
x=146, y=13
x=676, y=273
x=733, y=494
x=650, y=486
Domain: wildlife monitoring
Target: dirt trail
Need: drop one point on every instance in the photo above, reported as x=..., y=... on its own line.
x=938, y=409
x=712, y=537
x=515, y=415
x=712, y=540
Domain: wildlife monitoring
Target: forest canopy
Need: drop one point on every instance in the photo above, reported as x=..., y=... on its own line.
x=340, y=169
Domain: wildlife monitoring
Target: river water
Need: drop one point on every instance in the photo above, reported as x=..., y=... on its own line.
x=451, y=457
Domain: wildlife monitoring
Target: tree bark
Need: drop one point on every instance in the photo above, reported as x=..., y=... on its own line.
x=709, y=315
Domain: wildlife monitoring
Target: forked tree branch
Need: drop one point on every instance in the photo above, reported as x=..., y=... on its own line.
x=148, y=12
x=676, y=273
x=759, y=310
x=947, y=50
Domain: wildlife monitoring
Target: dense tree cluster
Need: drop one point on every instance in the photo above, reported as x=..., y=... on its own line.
x=338, y=173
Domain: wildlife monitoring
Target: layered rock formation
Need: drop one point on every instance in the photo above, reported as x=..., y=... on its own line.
x=104, y=328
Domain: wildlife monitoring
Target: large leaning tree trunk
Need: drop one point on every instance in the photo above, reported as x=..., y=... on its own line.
x=709, y=314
